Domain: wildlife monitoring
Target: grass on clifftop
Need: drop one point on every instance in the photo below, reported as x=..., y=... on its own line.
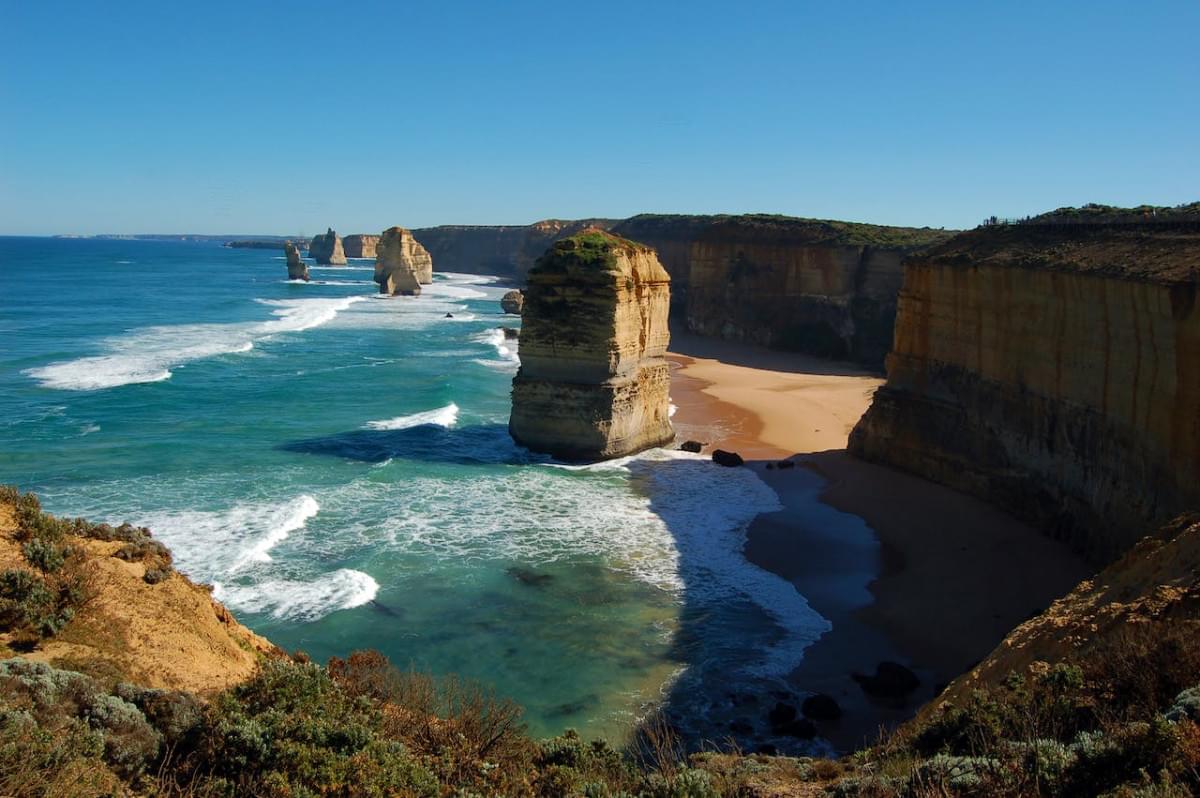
x=814, y=230
x=589, y=249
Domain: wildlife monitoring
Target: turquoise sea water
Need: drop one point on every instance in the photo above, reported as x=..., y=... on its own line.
x=338, y=466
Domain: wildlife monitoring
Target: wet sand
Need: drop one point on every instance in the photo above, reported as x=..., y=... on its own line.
x=936, y=581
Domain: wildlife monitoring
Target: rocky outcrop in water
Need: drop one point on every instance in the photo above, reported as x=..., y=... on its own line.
x=327, y=249
x=360, y=246
x=593, y=381
x=401, y=264
x=296, y=267
x=1053, y=369
x=512, y=302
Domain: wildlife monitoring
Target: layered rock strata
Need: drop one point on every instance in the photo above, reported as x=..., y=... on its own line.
x=593, y=381
x=296, y=267
x=402, y=265
x=327, y=249
x=1053, y=370
x=360, y=246
x=824, y=288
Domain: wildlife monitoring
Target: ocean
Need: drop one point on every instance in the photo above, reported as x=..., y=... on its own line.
x=337, y=465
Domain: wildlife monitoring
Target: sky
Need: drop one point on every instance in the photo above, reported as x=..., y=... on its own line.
x=285, y=118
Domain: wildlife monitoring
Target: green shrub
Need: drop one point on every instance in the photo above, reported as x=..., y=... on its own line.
x=45, y=555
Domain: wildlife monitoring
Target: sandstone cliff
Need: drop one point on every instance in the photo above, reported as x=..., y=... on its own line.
x=158, y=630
x=327, y=249
x=825, y=288
x=401, y=264
x=593, y=383
x=1053, y=369
x=504, y=250
x=360, y=246
x=297, y=269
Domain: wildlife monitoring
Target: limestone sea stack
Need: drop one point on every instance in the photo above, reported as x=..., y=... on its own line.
x=360, y=246
x=512, y=302
x=297, y=268
x=401, y=263
x=327, y=249
x=593, y=381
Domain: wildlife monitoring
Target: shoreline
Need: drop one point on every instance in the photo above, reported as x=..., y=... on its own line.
x=904, y=569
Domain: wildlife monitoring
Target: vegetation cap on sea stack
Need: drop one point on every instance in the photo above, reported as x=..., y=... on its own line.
x=593, y=383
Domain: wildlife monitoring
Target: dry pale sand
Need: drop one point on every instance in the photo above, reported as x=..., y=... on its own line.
x=948, y=576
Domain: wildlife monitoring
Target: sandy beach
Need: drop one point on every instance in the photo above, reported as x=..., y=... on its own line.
x=904, y=569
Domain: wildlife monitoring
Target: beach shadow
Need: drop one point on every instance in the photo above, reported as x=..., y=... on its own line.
x=486, y=444
x=736, y=353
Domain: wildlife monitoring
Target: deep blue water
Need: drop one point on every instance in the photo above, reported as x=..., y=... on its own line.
x=337, y=464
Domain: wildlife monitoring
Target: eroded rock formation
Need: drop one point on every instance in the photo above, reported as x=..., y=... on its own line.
x=327, y=249
x=593, y=381
x=512, y=302
x=1053, y=370
x=297, y=268
x=360, y=246
x=401, y=264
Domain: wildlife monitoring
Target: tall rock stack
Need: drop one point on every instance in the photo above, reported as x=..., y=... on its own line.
x=297, y=268
x=360, y=246
x=401, y=263
x=593, y=382
x=327, y=249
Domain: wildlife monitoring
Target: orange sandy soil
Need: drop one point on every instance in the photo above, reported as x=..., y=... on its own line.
x=169, y=635
x=951, y=575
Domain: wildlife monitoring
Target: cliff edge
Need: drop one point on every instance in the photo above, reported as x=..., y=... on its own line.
x=1054, y=369
x=120, y=611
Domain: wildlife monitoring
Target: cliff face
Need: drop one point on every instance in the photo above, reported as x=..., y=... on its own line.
x=504, y=250
x=593, y=383
x=1053, y=370
x=327, y=249
x=297, y=268
x=360, y=246
x=401, y=264
x=820, y=287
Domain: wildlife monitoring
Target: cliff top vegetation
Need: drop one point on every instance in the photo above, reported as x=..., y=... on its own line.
x=1146, y=243
x=799, y=229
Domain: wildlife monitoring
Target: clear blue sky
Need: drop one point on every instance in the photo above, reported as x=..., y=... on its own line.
x=266, y=117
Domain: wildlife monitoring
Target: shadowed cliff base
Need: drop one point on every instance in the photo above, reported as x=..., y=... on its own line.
x=948, y=574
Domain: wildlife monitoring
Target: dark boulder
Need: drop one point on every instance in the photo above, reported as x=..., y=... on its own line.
x=781, y=715
x=510, y=333
x=891, y=680
x=727, y=459
x=691, y=446
x=786, y=464
x=821, y=707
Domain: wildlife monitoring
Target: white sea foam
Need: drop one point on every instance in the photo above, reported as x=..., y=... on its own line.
x=671, y=408
x=443, y=417
x=88, y=429
x=282, y=522
x=507, y=350
x=301, y=600
x=149, y=354
x=683, y=531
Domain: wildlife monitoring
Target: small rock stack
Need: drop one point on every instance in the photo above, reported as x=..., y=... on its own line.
x=327, y=249
x=297, y=268
x=402, y=265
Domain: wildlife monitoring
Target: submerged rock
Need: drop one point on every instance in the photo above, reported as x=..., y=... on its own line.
x=401, y=263
x=327, y=249
x=528, y=576
x=593, y=381
x=297, y=268
x=727, y=459
x=510, y=333
x=512, y=302
x=691, y=446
